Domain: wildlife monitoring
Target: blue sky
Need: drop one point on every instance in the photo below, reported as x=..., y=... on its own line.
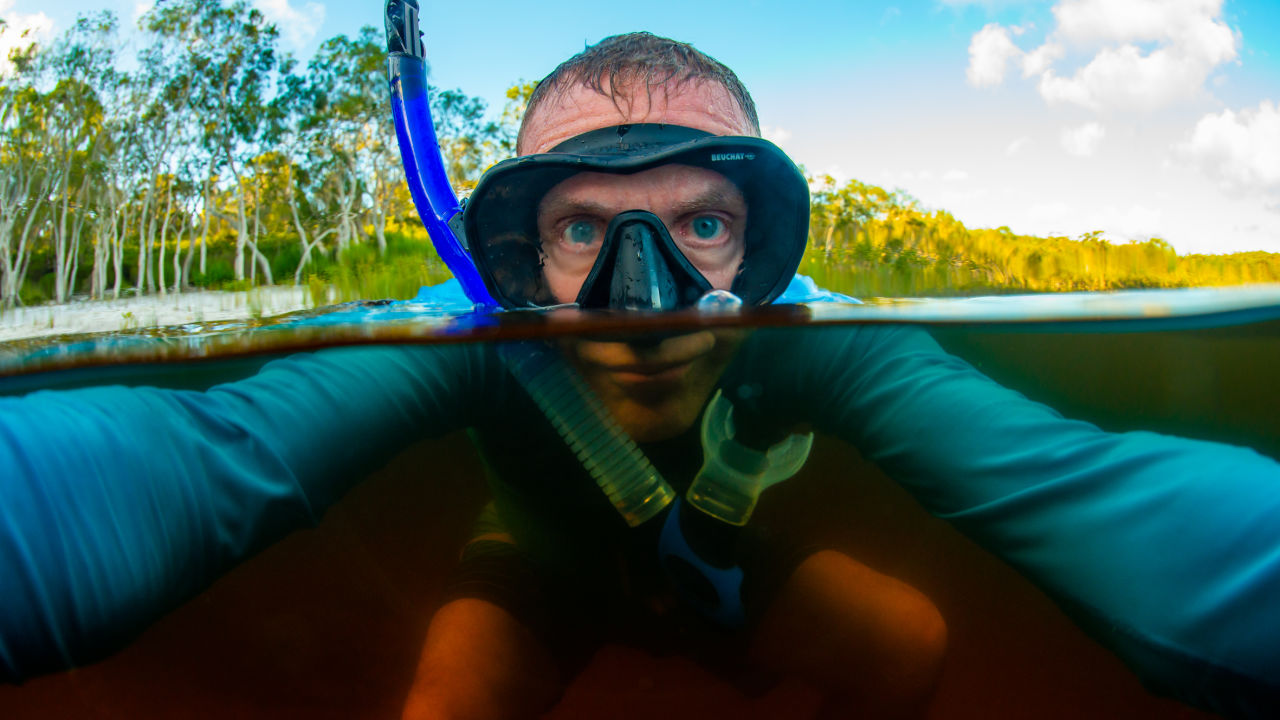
x=1136, y=117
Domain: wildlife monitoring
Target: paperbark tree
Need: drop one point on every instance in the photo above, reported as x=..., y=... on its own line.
x=229, y=50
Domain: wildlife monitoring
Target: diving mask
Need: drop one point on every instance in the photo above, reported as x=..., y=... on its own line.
x=749, y=205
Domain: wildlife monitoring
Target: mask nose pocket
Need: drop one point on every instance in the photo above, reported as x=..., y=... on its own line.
x=640, y=268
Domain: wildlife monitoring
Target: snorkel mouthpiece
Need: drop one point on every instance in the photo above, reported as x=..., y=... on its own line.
x=640, y=268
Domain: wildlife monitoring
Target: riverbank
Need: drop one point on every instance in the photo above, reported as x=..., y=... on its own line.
x=132, y=313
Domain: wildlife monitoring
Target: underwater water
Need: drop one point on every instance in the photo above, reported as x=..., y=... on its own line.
x=329, y=621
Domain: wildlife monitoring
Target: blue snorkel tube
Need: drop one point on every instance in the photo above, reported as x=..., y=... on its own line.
x=429, y=186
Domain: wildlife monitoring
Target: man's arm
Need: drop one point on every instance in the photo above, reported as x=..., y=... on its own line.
x=117, y=504
x=1166, y=549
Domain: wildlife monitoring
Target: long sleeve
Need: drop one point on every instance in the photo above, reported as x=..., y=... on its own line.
x=1166, y=549
x=116, y=504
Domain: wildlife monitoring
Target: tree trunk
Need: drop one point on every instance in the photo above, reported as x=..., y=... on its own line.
x=204, y=234
x=22, y=258
x=164, y=235
x=77, y=231
x=146, y=231
x=379, y=217
x=61, y=237
x=186, y=264
x=178, y=265
x=307, y=245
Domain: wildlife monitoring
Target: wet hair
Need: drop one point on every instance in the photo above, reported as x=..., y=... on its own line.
x=617, y=63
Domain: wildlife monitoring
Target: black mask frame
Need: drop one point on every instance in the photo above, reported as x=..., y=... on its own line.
x=500, y=217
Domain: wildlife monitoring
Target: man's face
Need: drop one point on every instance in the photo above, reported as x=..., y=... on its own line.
x=654, y=389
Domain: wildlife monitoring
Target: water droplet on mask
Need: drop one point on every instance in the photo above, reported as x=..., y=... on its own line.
x=719, y=301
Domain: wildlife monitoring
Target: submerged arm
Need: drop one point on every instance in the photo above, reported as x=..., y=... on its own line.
x=117, y=504
x=1166, y=549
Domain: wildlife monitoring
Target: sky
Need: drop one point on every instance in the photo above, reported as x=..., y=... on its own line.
x=1139, y=118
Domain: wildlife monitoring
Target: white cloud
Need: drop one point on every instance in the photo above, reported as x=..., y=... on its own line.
x=1083, y=141
x=1039, y=61
x=21, y=30
x=990, y=52
x=775, y=134
x=1016, y=146
x=1050, y=215
x=1135, y=222
x=297, y=27
x=1192, y=25
x=818, y=180
x=140, y=8
x=1143, y=54
x=1241, y=148
x=955, y=176
x=1125, y=78
x=837, y=173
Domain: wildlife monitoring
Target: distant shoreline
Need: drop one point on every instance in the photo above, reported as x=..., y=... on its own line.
x=88, y=316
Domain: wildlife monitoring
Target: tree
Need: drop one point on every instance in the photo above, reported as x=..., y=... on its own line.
x=348, y=90
x=512, y=115
x=81, y=63
x=229, y=51
x=24, y=183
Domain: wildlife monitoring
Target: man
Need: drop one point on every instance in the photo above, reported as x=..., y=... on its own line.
x=161, y=491
x=874, y=644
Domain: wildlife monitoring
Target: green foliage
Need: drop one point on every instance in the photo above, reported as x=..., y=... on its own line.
x=284, y=260
x=361, y=273
x=317, y=290
x=218, y=274
x=35, y=293
x=866, y=241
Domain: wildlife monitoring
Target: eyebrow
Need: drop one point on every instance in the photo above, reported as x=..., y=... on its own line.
x=712, y=199
x=561, y=207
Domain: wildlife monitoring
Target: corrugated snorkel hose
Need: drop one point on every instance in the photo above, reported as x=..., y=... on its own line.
x=633, y=485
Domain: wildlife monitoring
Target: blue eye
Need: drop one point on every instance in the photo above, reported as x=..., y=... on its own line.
x=582, y=232
x=707, y=227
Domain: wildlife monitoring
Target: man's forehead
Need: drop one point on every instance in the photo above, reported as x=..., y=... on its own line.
x=578, y=109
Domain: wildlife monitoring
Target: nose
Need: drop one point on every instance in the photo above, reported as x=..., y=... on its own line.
x=640, y=268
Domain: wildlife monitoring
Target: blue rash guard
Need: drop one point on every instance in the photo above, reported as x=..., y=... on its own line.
x=118, y=504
